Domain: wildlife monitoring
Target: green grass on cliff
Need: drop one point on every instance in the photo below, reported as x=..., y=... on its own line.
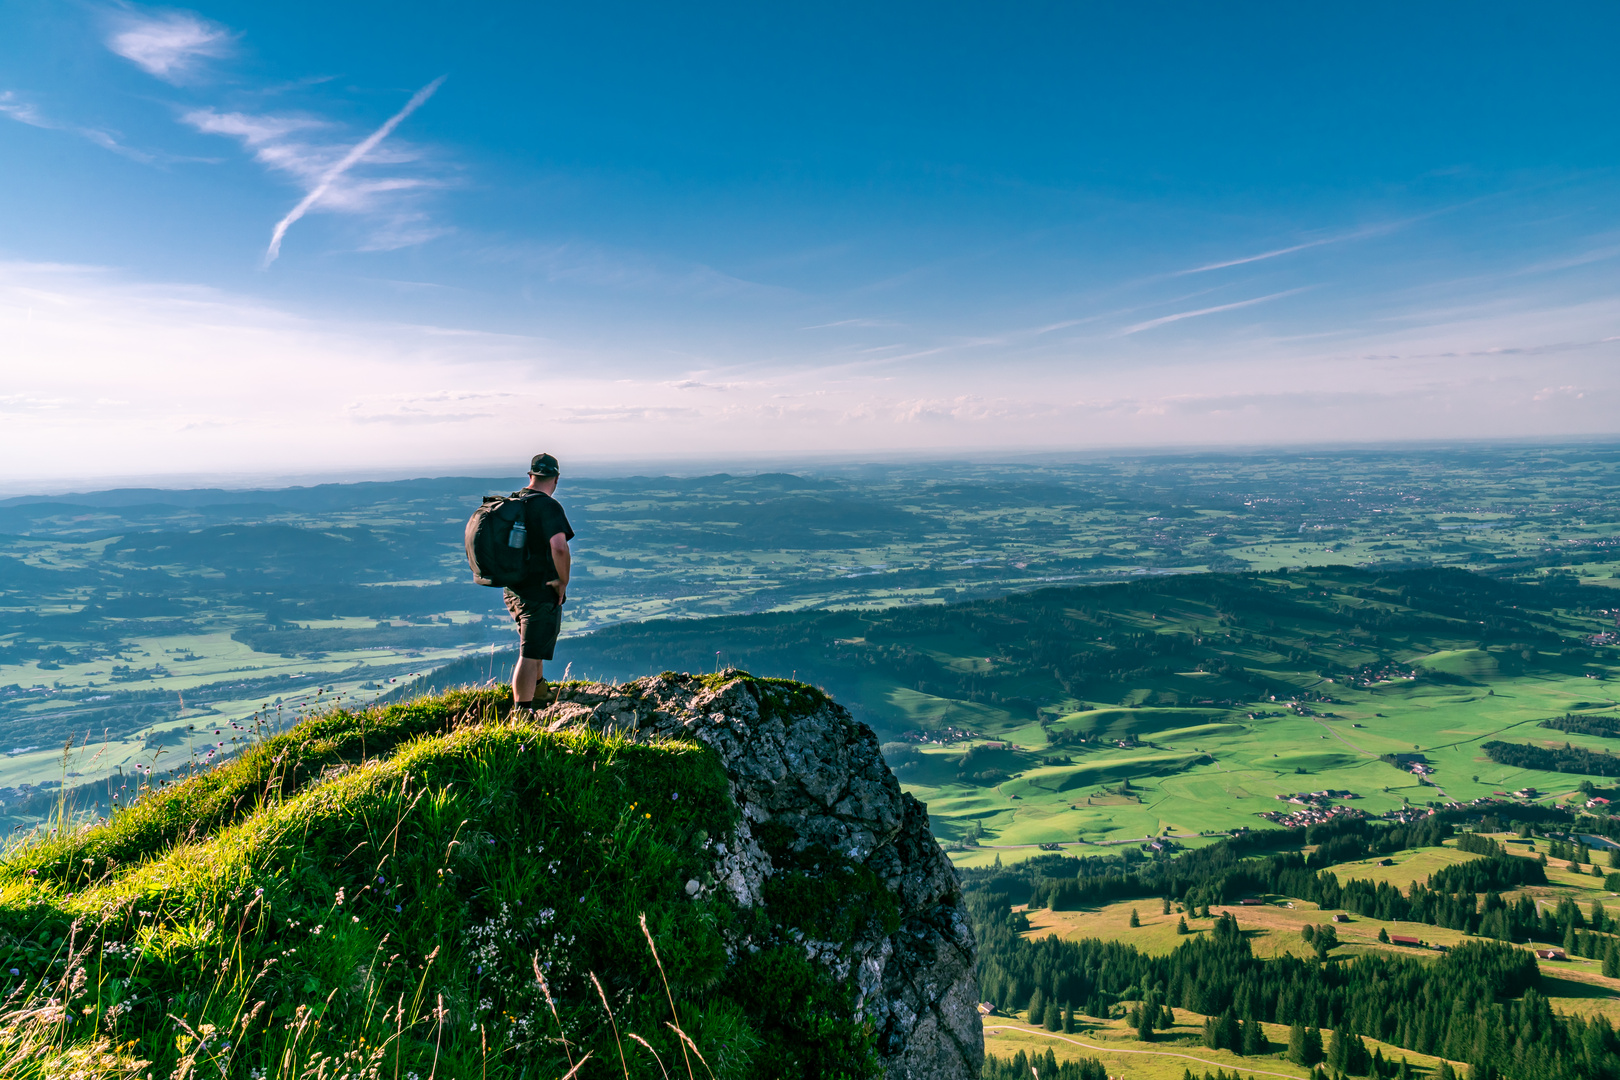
x=380, y=894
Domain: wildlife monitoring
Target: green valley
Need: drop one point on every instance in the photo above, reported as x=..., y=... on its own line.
x=1186, y=705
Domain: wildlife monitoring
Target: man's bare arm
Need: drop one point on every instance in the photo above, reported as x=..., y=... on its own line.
x=560, y=556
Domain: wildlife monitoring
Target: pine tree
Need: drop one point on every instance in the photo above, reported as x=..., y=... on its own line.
x=1212, y=1033
x=1406, y=1066
x=1068, y=1019
x=1383, y=935
x=1445, y=1072
x=1254, y=1038
x=1181, y=926
x=1357, y=1060
x=1611, y=960
x=1296, y=1044
x=1337, y=1052
x=1231, y=1035
x=1037, y=1008
x=1144, y=1025
x=1167, y=1018
x=1569, y=941
x=1136, y=920
x=1053, y=1017
x=1378, y=1065
x=1313, y=1044
x=1166, y=905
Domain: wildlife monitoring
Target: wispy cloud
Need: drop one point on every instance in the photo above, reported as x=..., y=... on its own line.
x=169, y=45
x=1355, y=234
x=1257, y=258
x=1178, y=316
x=348, y=161
x=851, y=322
x=309, y=150
x=26, y=112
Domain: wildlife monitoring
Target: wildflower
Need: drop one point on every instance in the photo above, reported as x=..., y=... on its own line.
x=14, y=971
x=398, y=908
x=674, y=796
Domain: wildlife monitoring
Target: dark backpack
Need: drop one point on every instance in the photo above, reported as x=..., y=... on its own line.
x=498, y=541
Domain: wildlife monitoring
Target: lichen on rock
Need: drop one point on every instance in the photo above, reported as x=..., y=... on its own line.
x=827, y=848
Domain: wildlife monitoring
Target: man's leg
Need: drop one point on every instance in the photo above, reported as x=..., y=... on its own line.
x=525, y=677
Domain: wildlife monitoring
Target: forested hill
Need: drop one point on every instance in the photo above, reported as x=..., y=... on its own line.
x=1246, y=635
x=1483, y=1002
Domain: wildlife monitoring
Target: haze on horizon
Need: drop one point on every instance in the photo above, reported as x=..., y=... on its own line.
x=296, y=239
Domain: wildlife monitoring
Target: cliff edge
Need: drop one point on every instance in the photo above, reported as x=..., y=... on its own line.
x=639, y=876
x=817, y=807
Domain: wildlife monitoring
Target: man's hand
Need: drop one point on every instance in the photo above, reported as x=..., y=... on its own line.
x=563, y=563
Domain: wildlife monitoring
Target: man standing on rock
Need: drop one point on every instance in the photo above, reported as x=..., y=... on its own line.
x=536, y=601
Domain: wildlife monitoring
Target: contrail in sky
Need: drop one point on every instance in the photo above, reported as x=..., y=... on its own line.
x=1257, y=258
x=1178, y=316
x=344, y=165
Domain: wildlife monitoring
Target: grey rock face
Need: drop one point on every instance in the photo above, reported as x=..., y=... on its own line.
x=801, y=767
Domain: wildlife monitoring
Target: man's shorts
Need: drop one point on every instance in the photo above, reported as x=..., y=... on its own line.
x=538, y=621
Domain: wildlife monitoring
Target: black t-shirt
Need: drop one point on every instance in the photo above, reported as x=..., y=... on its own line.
x=544, y=518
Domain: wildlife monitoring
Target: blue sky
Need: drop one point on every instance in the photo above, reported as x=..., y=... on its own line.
x=625, y=231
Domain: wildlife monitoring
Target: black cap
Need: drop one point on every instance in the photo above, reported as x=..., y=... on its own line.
x=543, y=466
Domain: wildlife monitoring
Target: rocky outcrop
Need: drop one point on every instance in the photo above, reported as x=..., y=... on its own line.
x=813, y=791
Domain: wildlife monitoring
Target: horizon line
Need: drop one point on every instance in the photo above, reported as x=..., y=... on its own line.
x=604, y=467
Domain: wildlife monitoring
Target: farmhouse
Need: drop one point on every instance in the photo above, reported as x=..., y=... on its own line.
x=1402, y=939
x=1551, y=954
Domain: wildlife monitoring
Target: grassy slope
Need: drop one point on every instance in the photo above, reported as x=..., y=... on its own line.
x=394, y=913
